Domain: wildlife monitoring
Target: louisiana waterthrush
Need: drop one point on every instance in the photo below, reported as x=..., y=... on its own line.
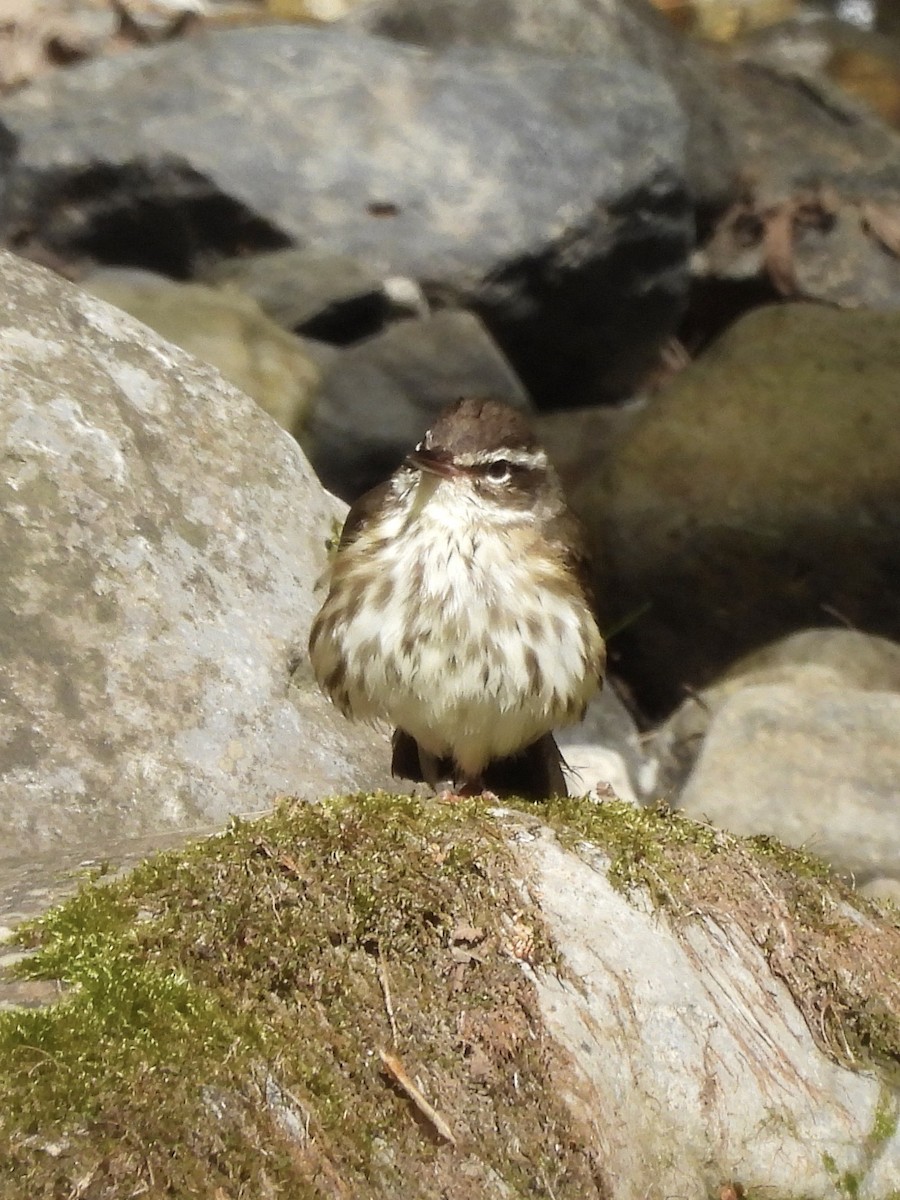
x=459, y=609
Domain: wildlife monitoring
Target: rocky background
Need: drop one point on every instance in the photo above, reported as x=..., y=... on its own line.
x=672, y=236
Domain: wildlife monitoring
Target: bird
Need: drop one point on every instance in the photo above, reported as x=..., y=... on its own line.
x=459, y=609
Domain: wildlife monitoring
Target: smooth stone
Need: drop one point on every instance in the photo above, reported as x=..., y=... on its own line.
x=818, y=771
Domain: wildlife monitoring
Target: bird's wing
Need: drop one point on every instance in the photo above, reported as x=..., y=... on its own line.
x=566, y=533
x=360, y=512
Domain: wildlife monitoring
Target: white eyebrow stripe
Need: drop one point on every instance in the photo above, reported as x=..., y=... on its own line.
x=532, y=460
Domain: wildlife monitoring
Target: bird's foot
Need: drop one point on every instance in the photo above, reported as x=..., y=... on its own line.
x=452, y=791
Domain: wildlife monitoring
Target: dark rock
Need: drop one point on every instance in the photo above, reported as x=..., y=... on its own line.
x=758, y=495
x=579, y=440
x=161, y=540
x=378, y=398
x=767, y=124
x=820, y=215
x=546, y=193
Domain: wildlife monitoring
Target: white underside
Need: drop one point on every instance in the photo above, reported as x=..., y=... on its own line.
x=461, y=686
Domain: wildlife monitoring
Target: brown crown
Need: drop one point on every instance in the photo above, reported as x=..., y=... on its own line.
x=477, y=424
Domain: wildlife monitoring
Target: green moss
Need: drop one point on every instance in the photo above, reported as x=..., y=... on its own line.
x=884, y=1124
x=846, y=1182
x=642, y=843
x=121, y=1015
x=225, y=1007
x=798, y=863
x=333, y=540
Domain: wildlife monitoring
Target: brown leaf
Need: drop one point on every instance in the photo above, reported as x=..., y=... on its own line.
x=778, y=248
x=471, y=934
x=882, y=222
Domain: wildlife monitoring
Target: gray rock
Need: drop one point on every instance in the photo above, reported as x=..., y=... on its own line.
x=819, y=771
x=691, y=1061
x=326, y=296
x=815, y=661
x=379, y=397
x=605, y=752
x=162, y=539
x=882, y=889
x=546, y=193
x=226, y=329
x=632, y=29
x=822, y=172
x=765, y=124
x=820, y=134
x=859, y=660
x=756, y=495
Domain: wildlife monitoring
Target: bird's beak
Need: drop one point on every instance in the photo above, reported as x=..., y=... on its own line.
x=435, y=462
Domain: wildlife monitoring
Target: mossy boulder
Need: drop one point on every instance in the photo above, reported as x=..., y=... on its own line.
x=382, y=996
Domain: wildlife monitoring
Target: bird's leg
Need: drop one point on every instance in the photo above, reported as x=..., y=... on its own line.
x=434, y=772
x=470, y=785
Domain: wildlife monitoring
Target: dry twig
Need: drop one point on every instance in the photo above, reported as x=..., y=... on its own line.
x=386, y=992
x=398, y=1073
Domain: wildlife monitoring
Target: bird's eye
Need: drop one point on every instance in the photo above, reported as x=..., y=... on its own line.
x=499, y=471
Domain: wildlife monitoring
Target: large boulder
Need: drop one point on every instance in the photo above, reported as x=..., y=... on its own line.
x=226, y=329
x=162, y=539
x=759, y=494
x=545, y=192
x=379, y=997
x=630, y=29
